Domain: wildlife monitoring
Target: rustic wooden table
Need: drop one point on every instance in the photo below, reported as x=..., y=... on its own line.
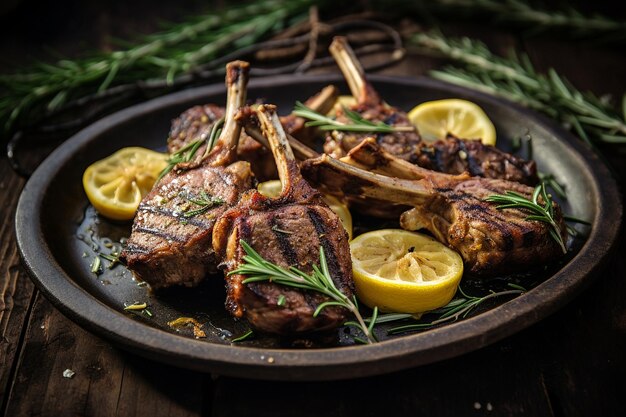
x=570, y=364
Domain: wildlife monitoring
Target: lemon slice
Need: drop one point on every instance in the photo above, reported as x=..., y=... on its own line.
x=462, y=118
x=272, y=189
x=115, y=185
x=404, y=272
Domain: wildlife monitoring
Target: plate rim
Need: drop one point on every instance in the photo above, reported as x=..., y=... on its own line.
x=326, y=363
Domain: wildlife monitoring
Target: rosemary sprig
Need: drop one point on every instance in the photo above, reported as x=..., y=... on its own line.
x=204, y=200
x=187, y=152
x=138, y=307
x=257, y=269
x=523, y=14
x=550, y=181
x=358, y=123
x=515, y=78
x=159, y=59
x=247, y=335
x=542, y=213
x=451, y=312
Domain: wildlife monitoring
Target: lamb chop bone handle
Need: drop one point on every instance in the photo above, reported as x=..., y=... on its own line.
x=340, y=176
x=225, y=150
x=288, y=170
x=249, y=122
x=353, y=72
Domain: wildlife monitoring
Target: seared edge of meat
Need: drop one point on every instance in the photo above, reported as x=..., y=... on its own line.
x=455, y=156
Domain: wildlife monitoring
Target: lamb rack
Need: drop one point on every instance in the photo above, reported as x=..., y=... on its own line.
x=452, y=207
x=170, y=242
x=196, y=123
x=288, y=231
x=452, y=155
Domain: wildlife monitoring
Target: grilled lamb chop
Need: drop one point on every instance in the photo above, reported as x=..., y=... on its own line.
x=197, y=122
x=170, y=243
x=192, y=125
x=452, y=155
x=371, y=107
x=288, y=231
x=452, y=208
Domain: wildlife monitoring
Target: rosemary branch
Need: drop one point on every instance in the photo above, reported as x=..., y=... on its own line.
x=204, y=201
x=358, y=123
x=256, y=268
x=457, y=308
x=32, y=94
x=530, y=17
x=516, y=79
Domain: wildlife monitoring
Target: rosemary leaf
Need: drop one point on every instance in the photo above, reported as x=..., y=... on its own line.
x=247, y=335
x=459, y=307
x=358, y=123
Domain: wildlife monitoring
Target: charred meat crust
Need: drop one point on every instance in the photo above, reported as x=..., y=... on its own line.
x=455, y=156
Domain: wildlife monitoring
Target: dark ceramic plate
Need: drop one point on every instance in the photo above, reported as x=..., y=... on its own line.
x=58, y=232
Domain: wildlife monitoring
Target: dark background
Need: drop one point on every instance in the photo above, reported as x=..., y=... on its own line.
x=570, y=364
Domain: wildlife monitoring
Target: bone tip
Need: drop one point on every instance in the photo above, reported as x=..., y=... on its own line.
x=244, y=114
x=267, y=108
x=236, y=69
x=339, y=42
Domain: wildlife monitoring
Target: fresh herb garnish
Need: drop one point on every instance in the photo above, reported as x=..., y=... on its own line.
x=138, y=307
x=542, y=213
x=187, y=152
x=95, y=266
x=279, y=230
x=358, y=123
x=204, y=200
x=113, y=258
x=257, y=269
x=247, y=335
x=455, y=309
x=550, y=181
x=281, y=300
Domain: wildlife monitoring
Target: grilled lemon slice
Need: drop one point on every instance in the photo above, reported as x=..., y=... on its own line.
x=115, y=185
x=404, y=272
x=464, y=119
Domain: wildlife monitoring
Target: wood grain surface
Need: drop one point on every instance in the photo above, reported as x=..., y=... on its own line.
x=570, y=364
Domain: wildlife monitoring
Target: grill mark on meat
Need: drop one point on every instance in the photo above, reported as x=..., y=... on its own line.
x=160, y=233
x=287, y=250
x=477, y=209
x=198, y=221
x=136, y=249
x=329, y=249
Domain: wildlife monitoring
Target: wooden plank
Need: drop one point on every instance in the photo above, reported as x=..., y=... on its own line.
x=493, y=381
x=583, y=344
x=106, y=381
x=16, y=289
